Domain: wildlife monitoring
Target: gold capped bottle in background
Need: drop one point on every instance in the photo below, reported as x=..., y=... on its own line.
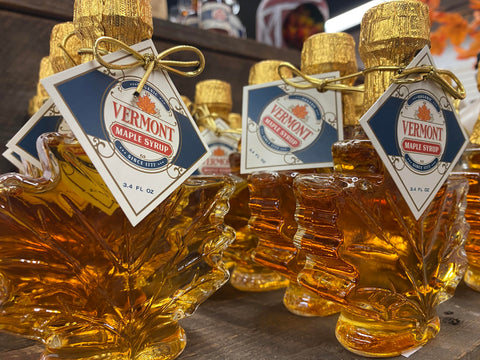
x=246, y=275
x=272, y=199
x=388, y=270
x=41, y=95
x=75, y=273
x=212, y=106
x=469, y=166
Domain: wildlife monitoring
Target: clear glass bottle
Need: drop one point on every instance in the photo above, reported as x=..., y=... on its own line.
x=213, y=104
x=272, y=197
x=75, y=273
x=388, y=270
x=469, y=166
x=246, y=275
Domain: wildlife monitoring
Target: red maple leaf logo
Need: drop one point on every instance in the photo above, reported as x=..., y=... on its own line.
x=423, y=113
x=146, y=104
x=218, y=152
x=300, y=111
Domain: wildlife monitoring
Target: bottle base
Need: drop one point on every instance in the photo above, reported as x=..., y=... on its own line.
x=472, y=278
x=303, y=302
x=256, y=278
x=373, y=338
x=165, y=348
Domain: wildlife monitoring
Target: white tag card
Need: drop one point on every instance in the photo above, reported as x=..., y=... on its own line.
x=46, y=119
x=416, y=132
x=286, y=128
x=221, y=146
x=143, y=147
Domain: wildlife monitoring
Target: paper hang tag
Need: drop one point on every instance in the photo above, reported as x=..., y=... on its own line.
x=143, y=148
x=15, y=159
x=46, y=119
x=417, y=134
x=220, y=147
x=286, y=128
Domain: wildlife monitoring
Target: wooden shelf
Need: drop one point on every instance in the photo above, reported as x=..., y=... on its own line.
x=235, y=325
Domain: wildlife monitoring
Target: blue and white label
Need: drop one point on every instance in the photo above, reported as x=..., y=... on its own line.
x=415, y=130
x=286, y=128
x=46, y=119
x=143, y=146
x=221, y=146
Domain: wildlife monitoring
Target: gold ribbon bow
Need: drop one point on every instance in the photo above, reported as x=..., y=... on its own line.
x=314, y=83
x=431, y=73
x=205, y=118
x=403, y=76
x=151, y=62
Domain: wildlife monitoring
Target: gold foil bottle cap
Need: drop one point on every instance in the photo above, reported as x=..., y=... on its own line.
x=129, y=21
x=235, y=120
x=266, y=71
x=41, y=96
x=64, y=34
x=188, y=103
x=216, y=95
x=391, y=34
x=326, y=52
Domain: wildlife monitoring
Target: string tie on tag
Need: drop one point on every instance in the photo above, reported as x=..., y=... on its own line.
x=151, y=62
x=427, y=72
x=66, y=55
x=314, y=83
x=443, y=78
x=205, y=118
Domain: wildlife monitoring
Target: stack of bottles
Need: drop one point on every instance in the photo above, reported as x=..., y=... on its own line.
x=104, y=288
x=340, y=239
x=366, y=251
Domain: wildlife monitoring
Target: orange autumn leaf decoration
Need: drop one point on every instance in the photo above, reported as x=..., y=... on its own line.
x=423, y=113
x=300, y=111
x=453, y=28
x=146, y=104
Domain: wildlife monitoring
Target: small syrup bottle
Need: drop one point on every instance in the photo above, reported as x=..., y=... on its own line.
x=365, y=248
x=469, y=166
x=272, y=196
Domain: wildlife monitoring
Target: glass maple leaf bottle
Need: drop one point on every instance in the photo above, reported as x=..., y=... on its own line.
x=75, y=273
x=367, y=251
x=469, y=166
x=272, y=200
x=245, y=274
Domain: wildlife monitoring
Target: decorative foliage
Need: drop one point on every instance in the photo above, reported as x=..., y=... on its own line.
x=454, y=28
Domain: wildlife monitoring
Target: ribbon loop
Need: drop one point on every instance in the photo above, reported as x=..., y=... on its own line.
x=314, y=83
x=205, y=118
x=442, y=77
x=151, y=62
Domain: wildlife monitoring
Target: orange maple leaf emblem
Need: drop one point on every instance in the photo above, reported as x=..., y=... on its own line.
x=423, y=113
x=146, y=104
x=218, y=152
x=300, y=111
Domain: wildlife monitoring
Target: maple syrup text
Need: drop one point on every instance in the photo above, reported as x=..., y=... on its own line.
x=137, y=119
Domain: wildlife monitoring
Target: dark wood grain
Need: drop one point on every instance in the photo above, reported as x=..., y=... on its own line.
x=235, y=325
